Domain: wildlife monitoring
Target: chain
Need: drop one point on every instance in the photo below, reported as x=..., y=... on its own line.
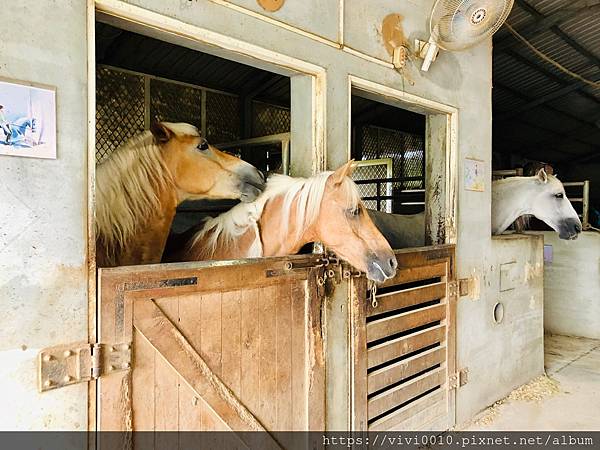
x=373, y=289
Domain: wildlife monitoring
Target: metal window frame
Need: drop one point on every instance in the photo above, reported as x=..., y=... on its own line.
x=389, y=164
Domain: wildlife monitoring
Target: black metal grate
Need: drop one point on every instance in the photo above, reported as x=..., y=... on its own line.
x=406, y=150
x=222, y=118
x=119, y=109
x=373, y=172
x=173, y=102
x=270, y=119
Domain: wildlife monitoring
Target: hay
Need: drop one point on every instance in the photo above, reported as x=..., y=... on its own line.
x=536, y=390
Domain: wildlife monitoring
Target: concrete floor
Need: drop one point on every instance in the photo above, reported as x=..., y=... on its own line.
x=575, y=364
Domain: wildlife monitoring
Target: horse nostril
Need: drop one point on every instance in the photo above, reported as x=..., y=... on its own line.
x=393, y=263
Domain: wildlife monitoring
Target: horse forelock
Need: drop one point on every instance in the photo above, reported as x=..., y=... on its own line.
x=128, y=188
x=301, y=196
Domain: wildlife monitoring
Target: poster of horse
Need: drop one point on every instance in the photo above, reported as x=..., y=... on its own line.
x=27, y=120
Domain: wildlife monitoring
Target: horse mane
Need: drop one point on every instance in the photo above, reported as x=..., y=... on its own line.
x=128, y=185
x=307, y=194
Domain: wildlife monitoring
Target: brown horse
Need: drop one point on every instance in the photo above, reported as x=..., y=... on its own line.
x=139, y=187
x=293, y=212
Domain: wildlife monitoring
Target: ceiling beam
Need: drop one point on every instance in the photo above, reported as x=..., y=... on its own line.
x=508, y=115
x=563, y=136
x=539, y=68
x=539, y=101
x=593, y=59
x=542, y=23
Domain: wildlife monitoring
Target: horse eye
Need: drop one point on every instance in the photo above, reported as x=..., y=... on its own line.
x=203, y=145
x=354, y=212
x=559, y=195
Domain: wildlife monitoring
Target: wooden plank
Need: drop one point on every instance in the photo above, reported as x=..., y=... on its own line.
x=381, y=378
x=418, y=273
x=408, y=297
x=299, y=358
x=387, y=400
x=249, y=385
x=392, y=421
x=166, y=387
x=192, y=368
x=358, y=363
x=316, y=355
x=283, y=339
x=231, y=340
x=388, y=326
x=395, y=348
x=142, y=379
x=267, y=356
x=190, y=404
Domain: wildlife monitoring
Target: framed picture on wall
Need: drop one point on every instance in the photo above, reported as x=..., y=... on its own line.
x=27, y=119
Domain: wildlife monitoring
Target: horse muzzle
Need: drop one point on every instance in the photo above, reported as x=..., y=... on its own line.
x=569, y=229
x=252, y=183
x=381, y=267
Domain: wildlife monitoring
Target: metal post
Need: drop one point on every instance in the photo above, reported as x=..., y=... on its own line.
x=285, y=157
x=586, y=200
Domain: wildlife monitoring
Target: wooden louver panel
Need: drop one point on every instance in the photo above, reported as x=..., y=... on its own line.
x=408, y=341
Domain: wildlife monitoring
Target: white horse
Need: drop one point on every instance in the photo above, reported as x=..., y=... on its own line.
x=542, y=196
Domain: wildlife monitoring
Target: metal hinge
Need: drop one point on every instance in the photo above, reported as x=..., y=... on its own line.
x=459, y=288
x=81, y=362
x=459, y=378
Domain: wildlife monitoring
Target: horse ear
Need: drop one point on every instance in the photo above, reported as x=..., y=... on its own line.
x=542, y=176
x=342, y=172
x=160, y=132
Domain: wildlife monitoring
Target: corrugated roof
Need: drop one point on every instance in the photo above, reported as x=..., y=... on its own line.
x=540, y=111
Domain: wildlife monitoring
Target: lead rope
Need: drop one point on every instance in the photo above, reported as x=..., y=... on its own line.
x=373, y=289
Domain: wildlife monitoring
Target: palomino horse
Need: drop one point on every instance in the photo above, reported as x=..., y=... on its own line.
x=140, y=185
x=293, y=212
x=542, y=196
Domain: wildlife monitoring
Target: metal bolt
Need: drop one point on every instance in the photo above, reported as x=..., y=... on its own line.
x=67, y=378
x=288, y=266
x=126, y=365
x=48, y=358
x=67, y=353
x=47, y=383
x=111, y=368
x=126, y=346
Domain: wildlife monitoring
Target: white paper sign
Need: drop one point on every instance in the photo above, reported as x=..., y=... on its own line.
x=474, y=175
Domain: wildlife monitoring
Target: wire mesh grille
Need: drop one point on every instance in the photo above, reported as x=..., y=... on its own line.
x=270, y=119
x=373, y=172
x=172, y=102
x=222, y=118
x=406, y=150
x=119, y=109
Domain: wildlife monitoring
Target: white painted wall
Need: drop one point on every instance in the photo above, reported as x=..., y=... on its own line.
x=572, y=286
x=43, y=217
x=44, y=282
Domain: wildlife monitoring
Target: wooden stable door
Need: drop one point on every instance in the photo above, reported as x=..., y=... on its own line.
x=403, y=345
x=216, y=346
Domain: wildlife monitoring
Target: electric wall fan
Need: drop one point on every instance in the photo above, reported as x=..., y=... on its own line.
x=460, y=24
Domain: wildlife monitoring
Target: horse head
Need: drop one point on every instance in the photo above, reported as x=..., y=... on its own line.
x=201, y=170
x=551, y=205
x=345, y=227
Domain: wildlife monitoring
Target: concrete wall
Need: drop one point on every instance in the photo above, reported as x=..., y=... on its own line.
x=572, y=286
x=43, y=217
x=45, y=282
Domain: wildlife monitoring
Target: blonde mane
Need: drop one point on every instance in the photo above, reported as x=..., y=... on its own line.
x=305, y=193
x=128, y=185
